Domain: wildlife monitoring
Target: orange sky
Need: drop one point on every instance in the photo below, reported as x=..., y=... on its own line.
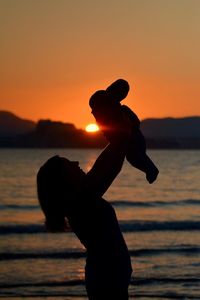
x=56, y=53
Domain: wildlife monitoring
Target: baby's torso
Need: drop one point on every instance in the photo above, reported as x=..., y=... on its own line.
x=127, y=112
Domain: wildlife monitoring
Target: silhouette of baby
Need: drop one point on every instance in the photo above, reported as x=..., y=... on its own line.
x=109, y=113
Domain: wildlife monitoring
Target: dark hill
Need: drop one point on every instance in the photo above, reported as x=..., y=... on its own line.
x=50, y=134
x=11, y=125
x=167, y=133
x=188, y=127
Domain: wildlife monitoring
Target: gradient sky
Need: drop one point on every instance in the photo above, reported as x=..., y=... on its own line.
x=56, y=53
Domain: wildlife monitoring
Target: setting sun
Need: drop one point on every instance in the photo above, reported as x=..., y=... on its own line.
x=92, y=128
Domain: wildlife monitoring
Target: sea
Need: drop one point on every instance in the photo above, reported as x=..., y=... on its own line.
x=160, y=223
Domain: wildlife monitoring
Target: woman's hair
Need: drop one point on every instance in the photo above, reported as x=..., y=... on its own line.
x=52, y=193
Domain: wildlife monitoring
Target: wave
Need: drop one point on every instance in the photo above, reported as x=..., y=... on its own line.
x=18, y=207
x=78, y=282
x=40, y=284
x=134, y=226
x=42, y=255
x=184, y=202
x=120, y=203
x=72, y=254
x=13, y=229
x=126, y=226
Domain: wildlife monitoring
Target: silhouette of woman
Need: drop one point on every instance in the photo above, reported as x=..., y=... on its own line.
x=65, y=192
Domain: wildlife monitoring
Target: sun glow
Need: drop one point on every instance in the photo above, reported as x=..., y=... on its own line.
x=92, y=128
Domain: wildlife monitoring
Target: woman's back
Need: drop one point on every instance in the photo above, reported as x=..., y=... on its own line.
x=96, y=225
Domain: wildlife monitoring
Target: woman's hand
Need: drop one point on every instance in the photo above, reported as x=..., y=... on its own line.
x=120, y=130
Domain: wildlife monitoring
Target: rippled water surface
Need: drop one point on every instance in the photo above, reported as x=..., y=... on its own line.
x=160, y=222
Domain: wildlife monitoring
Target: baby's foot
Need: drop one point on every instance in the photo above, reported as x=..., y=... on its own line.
x=151, y=175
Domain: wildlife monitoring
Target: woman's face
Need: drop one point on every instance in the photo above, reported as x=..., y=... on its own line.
x=75, y=173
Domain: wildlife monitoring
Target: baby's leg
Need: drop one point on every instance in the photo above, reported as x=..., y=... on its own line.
x=137, y=157
x=152, y=170
x=144, y=164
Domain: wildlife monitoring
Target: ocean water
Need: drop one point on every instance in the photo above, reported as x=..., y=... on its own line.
x=160, y=223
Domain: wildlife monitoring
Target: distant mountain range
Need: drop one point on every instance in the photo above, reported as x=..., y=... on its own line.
x=188, y=127
x=164, y=133
x=11, y=125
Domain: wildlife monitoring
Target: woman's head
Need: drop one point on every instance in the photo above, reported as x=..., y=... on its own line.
x=56, y=182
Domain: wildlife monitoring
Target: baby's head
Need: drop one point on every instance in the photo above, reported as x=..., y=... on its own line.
x=98, y=98
x=118, y=90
